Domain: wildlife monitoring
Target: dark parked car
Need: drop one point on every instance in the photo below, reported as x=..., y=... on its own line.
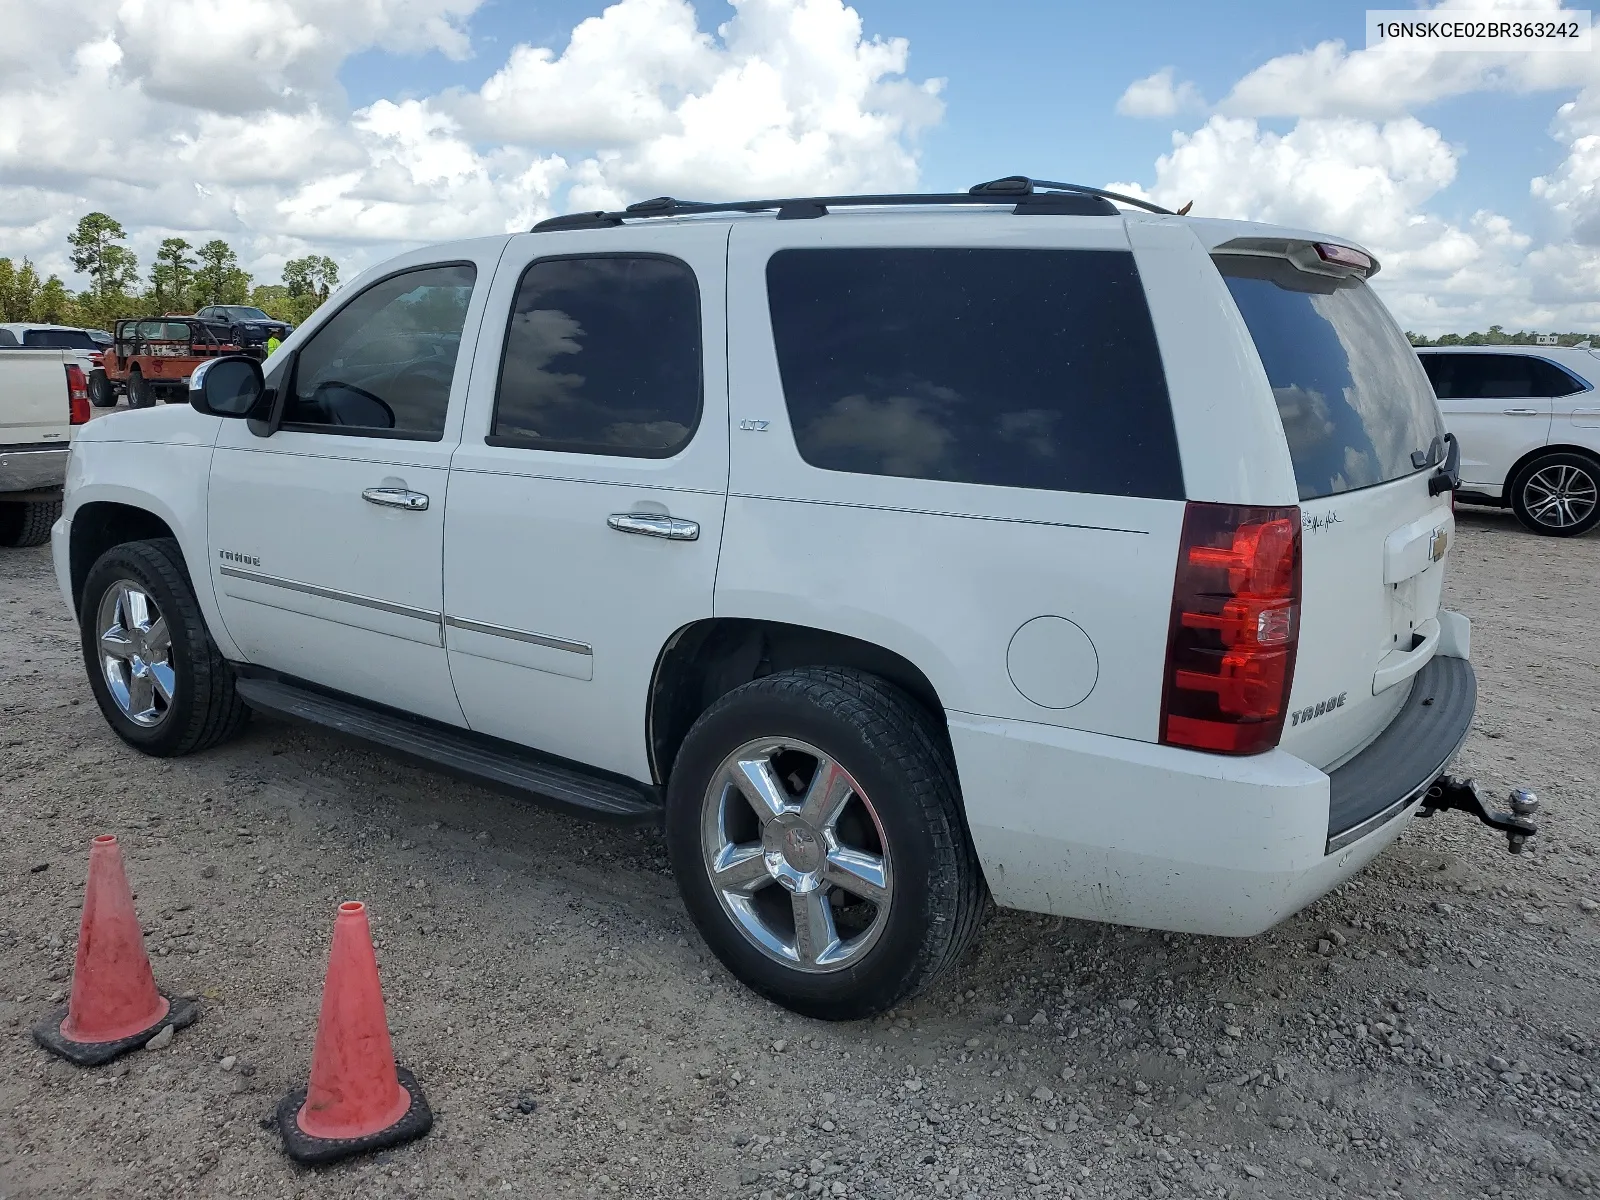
x=247, y=326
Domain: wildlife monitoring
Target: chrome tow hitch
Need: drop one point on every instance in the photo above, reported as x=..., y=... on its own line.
x=1463, y=796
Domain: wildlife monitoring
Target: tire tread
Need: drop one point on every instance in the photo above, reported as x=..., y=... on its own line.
x=217, y=712
x=903, y=734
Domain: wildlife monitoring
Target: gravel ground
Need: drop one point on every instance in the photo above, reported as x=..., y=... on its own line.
x=1431, y=1030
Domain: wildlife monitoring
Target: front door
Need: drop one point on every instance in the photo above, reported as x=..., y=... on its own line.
x=1497, y=405
x=587, y=496
x=326, y=538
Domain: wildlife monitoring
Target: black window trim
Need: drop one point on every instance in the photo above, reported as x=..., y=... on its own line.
x=490, y=438
x=393, y=435
x=1511, y=352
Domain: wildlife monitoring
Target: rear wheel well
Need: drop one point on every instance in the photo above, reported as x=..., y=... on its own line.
x=101, y=525
x=1521, y=465
x=707, y=660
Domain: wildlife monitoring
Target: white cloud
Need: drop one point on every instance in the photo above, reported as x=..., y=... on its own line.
x=795, y=98
x=206, y=118
x=1333, y=80
x=1357, y=162
x=1159, y=95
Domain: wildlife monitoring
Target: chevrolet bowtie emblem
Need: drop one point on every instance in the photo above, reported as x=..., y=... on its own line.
x=1438, y=544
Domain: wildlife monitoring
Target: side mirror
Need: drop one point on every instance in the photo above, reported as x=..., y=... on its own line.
x=226, y=387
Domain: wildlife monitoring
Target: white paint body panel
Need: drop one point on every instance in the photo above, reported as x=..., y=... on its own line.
x=527, y=547
x=156, y=459
x=33, y=397
x=290, y=508
x=1108, y=829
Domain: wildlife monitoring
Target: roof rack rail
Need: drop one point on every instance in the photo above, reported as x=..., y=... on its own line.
x=1031, y=197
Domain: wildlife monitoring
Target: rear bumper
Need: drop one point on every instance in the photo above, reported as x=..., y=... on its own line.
x=29, y=468
x=1393, y=773
x=1127, y=832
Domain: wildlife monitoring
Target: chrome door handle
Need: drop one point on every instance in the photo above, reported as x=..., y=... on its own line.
x=396, y=498
x=1521, y=412
x=674, y=529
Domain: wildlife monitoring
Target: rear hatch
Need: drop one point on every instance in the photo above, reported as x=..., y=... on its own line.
x=1365, y=436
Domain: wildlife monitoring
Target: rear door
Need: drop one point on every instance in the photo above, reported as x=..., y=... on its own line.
x=1497, y=405
x=587, y=496
x=1365, y=434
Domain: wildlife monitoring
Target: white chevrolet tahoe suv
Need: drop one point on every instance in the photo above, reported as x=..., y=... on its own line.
x=894, y=552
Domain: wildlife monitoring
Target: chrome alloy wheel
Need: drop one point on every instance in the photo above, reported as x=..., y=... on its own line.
x=136, y=653
x=1560, y=496
x=796, y=855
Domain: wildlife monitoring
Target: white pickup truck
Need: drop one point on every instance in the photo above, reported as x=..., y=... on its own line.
x=44, y=396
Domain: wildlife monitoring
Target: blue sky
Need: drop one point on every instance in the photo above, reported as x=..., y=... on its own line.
x=1031, y=86
x=361, y=129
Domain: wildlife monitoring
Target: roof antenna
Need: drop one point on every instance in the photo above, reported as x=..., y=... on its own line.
x=1184, y=211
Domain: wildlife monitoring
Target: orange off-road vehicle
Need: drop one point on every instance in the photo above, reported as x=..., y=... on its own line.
x=151, y=357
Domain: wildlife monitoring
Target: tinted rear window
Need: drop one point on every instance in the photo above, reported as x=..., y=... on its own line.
x=1354, y=400
x=602, y=357
x=1017, y=368
x=1496, y=377
x=58, y=339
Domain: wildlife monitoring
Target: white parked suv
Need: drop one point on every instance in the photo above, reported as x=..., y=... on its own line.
x=1528, y=420
x=893, y=552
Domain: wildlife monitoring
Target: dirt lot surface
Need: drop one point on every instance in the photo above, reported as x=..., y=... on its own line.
x=1432, y=1030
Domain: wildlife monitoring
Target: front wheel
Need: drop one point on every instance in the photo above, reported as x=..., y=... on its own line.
x=815, y=828
x=159, y=679
x=1558, y=494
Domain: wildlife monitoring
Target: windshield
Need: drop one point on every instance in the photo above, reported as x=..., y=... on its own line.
x=1355, y=402
x=246, y=314
x=58, y=339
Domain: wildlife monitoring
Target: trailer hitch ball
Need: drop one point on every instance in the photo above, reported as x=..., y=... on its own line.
x=1463, y=796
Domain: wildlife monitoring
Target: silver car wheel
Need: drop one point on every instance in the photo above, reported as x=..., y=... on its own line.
x=796, y=855
x=1560, y=496
x=136, y=653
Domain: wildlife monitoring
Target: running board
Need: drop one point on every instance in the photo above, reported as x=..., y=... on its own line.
x=493, y=764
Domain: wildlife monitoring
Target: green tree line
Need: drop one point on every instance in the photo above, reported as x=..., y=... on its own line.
x=183, y=278
x=1496, y=336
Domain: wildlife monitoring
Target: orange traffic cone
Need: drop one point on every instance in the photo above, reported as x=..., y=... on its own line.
x=358, y=1100
x=114, y=1006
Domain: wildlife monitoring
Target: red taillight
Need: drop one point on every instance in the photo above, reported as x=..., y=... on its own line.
x=1235, y=628
x=77, y=395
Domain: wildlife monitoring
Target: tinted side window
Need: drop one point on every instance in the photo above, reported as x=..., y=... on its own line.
x=58, y=339
x=602, y=356
x=1495, y=377
x=1551, y=380
x=7, y=338
x=384, y=362
x=1017, y=368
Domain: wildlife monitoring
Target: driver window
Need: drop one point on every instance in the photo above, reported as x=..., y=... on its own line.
x=383, y=363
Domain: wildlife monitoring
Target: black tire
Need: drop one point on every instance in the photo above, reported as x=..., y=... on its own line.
x=27, y=522
x=894, y=751
x=101, y=393
x=204, y=709
x=140, y=394
x=1533, y=494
